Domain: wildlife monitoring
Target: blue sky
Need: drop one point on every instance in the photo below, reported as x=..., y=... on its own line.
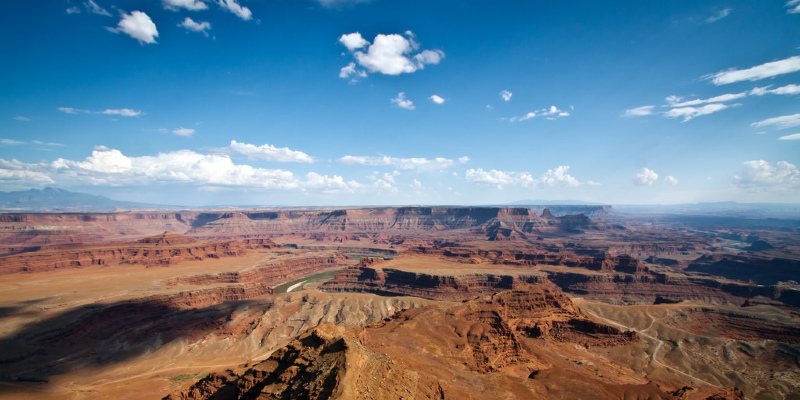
x=337, y=102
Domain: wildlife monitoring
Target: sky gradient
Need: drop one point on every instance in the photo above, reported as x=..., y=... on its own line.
x=336, y=102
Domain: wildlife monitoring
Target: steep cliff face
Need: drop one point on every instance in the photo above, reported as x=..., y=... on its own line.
x=161, y=250
x=762, y=270
x=482, y=349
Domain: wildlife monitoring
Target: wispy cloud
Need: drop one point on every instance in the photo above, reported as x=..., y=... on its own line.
x=187, y=132
x=403, y=102
x=340, y=3
x=22, y=118
x=718, y=16
x=675, y=101
x=392, y=54
x=790, y=89
x=192, y=5
x=763, y=71
x=417, y=163
x=638, y=111
x=123, y=112
x=688, y=113
x=794, y=6
x=95, y=9
x=783, y=122
x=794, y=136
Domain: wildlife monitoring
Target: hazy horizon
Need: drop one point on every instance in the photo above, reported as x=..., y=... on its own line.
x=373, y=103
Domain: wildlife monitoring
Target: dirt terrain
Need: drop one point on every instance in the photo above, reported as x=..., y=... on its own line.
x=411, y=302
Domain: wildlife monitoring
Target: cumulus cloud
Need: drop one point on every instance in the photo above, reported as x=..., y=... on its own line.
x=795, y=136
x=783, y=122
x=237, y=9
x=403, y=102
x=638, y=111
x=110, y=167
x=761, y=175
x=391, y=54
x=550, y=113
x=675, y=101
x=557, y=177
x=506, y=95
x=405, y=163
x=671, y=180
x=191, y=5
x=437, y=99
x=645, y=177
x=184, y=132
x=718, y=16
x=191, y=25
x=124, y=112
x=688, y=113
x=137, y=25
x=351, y=71
x=763, y=71
x=95, y=9
x=794, y=6
x=269, y=152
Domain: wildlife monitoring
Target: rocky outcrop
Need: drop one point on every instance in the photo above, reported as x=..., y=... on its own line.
x=481, y=349
x=761, y=270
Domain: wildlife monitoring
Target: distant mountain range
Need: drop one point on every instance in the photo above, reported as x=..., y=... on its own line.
x=52, y=199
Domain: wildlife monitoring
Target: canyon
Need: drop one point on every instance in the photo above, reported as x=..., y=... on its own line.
x=395, y=302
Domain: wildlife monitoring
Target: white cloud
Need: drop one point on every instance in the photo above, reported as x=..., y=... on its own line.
x=671, y=180
x=124, y=112
x=557, y=177
x=184, y=132
x=506, y=95
x=401, y=101
x=350, y=70
x=109, y=167
x=550, y=113
x=761, y=175
x=436, y=99
x=763, y=71
x=416, y=184
x=237, y=9
x=193, y=26
x=391, y=54
x=73, y=10
x=718, y=16
x=688, y=113
x=675, y=101
x=353, y=41
x=95, y=9
x=783, y=122
x=795, y=136
x=790, y=89
x=192, y=5
x=138, y=26
x=638, y=111
x=22, y=118
x=404, y=163
x=70, y=110
x=10, y=142
x=794, y=6
x=645, y=177
x=269, y=153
